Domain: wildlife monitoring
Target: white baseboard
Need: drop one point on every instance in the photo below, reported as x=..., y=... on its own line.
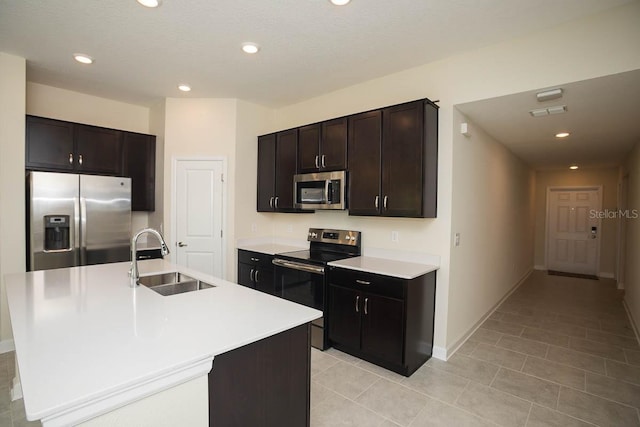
x=607, y=275
x=7, y=346
x=439, y=353
x=450, y=351
x=539, y=267
x=16, y=390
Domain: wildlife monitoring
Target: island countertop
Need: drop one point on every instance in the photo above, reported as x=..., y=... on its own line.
x=87, y=342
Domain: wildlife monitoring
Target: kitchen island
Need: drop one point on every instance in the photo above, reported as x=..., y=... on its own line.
x=90, y=347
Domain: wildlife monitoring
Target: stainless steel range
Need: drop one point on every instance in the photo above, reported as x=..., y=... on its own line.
x=300, y=275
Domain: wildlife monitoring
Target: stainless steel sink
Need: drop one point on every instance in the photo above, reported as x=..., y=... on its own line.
x=173, y=283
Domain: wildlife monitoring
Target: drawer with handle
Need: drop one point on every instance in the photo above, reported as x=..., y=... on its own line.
x=369, y=282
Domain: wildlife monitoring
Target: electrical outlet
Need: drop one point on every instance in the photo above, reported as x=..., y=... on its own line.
x=254, y=228
x=394, y=236
x=457, y=239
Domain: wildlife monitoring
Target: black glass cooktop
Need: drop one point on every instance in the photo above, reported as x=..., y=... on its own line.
x=315, y=257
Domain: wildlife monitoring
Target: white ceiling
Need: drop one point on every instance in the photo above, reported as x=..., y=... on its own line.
x=602, y=117
x=309, y=47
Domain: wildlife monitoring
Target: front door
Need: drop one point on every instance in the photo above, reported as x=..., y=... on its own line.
x=199, y=208
x=573, y=230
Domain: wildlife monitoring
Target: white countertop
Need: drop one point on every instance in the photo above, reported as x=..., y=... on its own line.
x=270, y=248
x=86, y=341
x=387, y=267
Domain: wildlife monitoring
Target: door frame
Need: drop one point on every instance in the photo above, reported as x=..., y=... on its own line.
x=174, y=191
x=552, y=188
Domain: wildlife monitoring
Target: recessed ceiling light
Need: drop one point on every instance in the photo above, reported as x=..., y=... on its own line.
x=562, y=134
x=184, y=87
x=82, y=58
x=250, y=48
x=573, y=167
x=149, y=3
x=339, y=2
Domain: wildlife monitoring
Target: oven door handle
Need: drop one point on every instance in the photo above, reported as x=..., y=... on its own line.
x=298, y=266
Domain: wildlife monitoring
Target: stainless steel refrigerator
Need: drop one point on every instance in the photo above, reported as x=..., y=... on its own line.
x=77, y=219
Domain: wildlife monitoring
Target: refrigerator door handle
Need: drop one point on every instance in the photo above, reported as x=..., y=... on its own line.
x=76, y=230
x=83, y=231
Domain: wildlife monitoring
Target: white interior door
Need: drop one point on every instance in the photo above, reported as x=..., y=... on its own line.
x=199, y=210
x=573, y=230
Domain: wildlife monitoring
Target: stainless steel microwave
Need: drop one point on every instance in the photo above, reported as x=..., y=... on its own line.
x=322, y=190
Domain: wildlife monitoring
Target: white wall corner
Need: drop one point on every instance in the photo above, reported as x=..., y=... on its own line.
x=634, y=325
x=606, y=275
x=620, y=285
x=540, y=267
x=16, y=389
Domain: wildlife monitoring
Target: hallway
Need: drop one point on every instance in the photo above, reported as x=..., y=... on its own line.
x=558, y=352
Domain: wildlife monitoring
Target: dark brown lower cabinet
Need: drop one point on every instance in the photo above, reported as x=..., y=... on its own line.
x=256, y=271
x=385, y=320
x=263, y=384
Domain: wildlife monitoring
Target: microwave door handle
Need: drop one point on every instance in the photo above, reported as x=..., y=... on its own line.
x=327, y=183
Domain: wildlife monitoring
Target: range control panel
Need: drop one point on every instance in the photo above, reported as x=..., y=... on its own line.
x=338, y=237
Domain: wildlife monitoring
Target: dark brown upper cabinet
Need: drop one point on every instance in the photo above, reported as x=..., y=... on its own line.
x=98, y=150
x=323, y=146
x=61, y=146
x=140, y=165
x=50, y=144
x=277, y=164
x=393, y=161
x=57, y=145
x=365, y=138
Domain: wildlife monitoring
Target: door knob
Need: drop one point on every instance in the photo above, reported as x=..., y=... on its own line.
x=182, y=245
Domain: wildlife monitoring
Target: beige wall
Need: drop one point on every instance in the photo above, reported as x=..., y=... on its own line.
x=608, y=179
x=12, y=206
x=157, y=127
x=493, y=212
x=591, y=47
x=632, y=266
x=201, y=128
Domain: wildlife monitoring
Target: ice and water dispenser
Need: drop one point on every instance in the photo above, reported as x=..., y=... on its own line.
x=56, y=233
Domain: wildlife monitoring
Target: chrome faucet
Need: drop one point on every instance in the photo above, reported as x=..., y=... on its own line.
x=134, y=274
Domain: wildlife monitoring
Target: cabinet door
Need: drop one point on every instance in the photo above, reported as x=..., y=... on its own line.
x=98, y=150
x=266, y=172
x=49, y=144
x=140, y=165
x=286, y=166
x=264, y=279
x=382, y=327
x=245, y=275
x=344, y=316
x=333, y=146
x=365, y=132
x=308, y=146
x=402, y=160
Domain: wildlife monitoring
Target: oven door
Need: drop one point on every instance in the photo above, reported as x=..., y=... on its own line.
x=303, y=283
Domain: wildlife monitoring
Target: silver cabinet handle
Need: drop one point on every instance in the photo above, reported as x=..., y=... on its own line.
x=323, y=163
x=255, y=276
x=255, y=259
x=251, y=274
x=357, y=304
x=182, y=245
x=80, y=159
x=384, y=202
x=317, y=163
x=275, y=203
x=362, y=282
x=376, y=201
x=366, y=305
x=271, y=202
x=71, y=158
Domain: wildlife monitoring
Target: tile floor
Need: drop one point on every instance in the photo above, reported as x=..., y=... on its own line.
x=559, y=352
x=11, y=413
